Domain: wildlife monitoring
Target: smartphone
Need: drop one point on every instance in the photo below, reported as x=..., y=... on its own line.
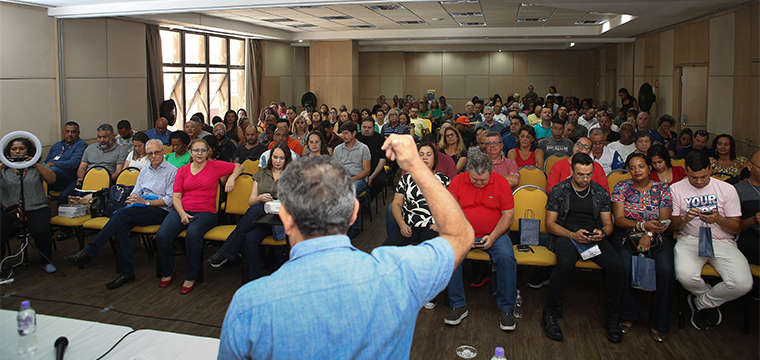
x=589, y=233
x=664, y=223
x=523, y=248
x=480, y=244
x=707, y=212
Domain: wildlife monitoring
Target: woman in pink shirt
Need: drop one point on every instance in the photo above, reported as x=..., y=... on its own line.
x=194, y=202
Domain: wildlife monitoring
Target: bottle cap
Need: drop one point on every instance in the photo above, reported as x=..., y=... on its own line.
x=25, y=304
x=499, y=351
x=518, y=291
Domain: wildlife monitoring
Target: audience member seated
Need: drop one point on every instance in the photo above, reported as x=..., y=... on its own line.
x=160, y=132
x=489, y=123
x=724, y=159
x=486, y=199
x=247, y=236
x=527, y=152
x=124, y=137
x=452, y=145
x=377, y=180
x=148, y=204
x=179, y=156
x=194, y=202
x=588, y=120
x=35, y=202
x=192, y=129
x=316, y=144
x=578, y=214
x=468, y=135
x=280, y=135
x=469, y=112
x=701, y=201
x=639, y=205
x=544, y=128
x=535, y=117
x=625, y=146
x=392, y=125
x=231, y=128
x=356, y=158
x=421, y=126
x=665, y=123
x=64, y=157
x=447, y=111
x=609, y=159
x=509, y=134
x=684, y=140
x=204, y=129
x=580, y=130
x=332, y=139
x=556, y=144
x=642, y=142
x=699, y=143
x=315, y=118
x=605, y=123
x=749, y=194
x=138, y=158
x=265, y=137
x=563, y=170
x=501, y=164
x=299, y=131
x=226, y=146
x=627, y=101
x=663, y=170
x=251, y=149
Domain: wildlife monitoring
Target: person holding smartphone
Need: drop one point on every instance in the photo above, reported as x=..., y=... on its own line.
x=644, y=205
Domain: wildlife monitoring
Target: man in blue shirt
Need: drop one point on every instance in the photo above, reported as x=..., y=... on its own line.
x=65, y=155
x=393, y=126
x=699, y=143
x=642, y=124
x=160, y=132
x=150, y=200
x=331, y=300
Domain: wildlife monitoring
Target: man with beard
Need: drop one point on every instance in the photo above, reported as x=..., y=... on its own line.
x=226, y=146
x=252, y=149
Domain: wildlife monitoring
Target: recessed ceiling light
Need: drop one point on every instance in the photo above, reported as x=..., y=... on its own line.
x=437, y=19
x=299, y=26
x=465, y=14
x=590, y=22
x=472, y=24
x=531, y=20
x=499, y=50
x=307, y=7
x=339, y=17
x=451, y=2
x=386, y=7
x=363, y=26
x=572, y=44
x=411, y=22
x=279, y=20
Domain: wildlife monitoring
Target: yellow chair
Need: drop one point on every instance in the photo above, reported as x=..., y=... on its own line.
x=251, y=167
x=168, y=149
x=587, y=264
x=548, y=163
x=128, y=176
x=540, y=256
x=237, y=204
x=721, y=176
x=678, y=162
x=529, y=198
x=532, y=175
x=617, y=176
x=95, y=179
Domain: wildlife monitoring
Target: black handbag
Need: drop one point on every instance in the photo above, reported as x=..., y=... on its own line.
x=99, y=201
x=15, y=215
x=632, y=238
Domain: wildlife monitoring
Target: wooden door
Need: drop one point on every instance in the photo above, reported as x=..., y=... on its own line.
x=693, y=112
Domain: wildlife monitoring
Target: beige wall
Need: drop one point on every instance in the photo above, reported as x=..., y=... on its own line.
x=460, y=76
x=334, y=72
x=28, y=63
x=728, y=45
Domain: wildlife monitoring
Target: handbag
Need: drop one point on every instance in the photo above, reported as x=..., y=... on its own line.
x=15, y=215
x=632, y=238
x=98, y=203
x=529, y=228
x=118, y=195
x=643, y=273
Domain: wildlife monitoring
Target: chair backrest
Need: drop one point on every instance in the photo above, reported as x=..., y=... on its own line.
x=128, y=176
x=96, y=178
x=617, y=176
x=251, y=166
x=529, y=197
x=168, y=149
x=721, y=176
x=532, y=175
x=237, y=199
x=678, y=162
x=551, y=161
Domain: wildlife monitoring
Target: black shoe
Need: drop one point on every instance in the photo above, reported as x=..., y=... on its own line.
x=614, y=332
x=78, y=259
x=540, y=278
x=551, y=327
x=456, y=315
x=121, y=280
x=217, y=260
x=64, y=234
x=714, y=317
x=353, y=233
x=698, y=317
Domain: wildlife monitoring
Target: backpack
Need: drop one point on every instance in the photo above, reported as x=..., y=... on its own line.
x=98, y=203
x=117, y=196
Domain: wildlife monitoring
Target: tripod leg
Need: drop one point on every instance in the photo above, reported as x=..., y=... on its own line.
x=29, y=243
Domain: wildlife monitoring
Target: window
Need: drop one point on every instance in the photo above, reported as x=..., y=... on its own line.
x=203, y=73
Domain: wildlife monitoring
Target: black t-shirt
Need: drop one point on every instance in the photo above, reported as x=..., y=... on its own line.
x=253, y=153
x=581, y=215
x=374, y=143
x=468, y=138
x=613, y=136
x=227, y=150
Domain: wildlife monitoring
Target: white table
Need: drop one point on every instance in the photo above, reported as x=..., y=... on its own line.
x=159, y=345
x=87, y=339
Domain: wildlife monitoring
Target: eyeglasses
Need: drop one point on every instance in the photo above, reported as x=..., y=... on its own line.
x=582, y=146
x=493, y=143
x=701, y=133
x=451, y=135
x=154, y=153
x=585, y=176
x=199, y=151
x=218, y=130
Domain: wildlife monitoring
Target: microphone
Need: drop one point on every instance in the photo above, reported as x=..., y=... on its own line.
x=60, y=346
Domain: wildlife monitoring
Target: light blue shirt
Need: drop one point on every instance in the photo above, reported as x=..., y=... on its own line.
x=159, y=182
x=541, y=132
x=153, y=134
x=333, y=301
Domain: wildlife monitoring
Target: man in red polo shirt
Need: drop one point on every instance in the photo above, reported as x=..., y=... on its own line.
x=562, y=169
x=486, y=199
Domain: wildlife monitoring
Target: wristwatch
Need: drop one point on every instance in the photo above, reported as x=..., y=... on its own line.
x=650, y=234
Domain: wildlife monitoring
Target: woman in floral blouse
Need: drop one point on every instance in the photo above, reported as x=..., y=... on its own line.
x=724, y=159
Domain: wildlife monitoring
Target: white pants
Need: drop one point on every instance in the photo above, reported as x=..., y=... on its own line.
x=729, y=262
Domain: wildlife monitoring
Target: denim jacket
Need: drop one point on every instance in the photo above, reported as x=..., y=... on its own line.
x=559, y=202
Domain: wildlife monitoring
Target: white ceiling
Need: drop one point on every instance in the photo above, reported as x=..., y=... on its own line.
x=411, y=25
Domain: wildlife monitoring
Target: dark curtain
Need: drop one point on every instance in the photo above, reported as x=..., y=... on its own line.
x=155, y=74
x=253, y=71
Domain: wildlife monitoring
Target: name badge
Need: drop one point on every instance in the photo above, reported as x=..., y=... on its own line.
x=57, y=157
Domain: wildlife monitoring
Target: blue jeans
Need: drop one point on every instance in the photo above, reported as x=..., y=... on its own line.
x=390, y=222
x=62, y=178
x=359, y=186
x=120, y=225
x=503, y=256
x=170, y=228
x=248, y=237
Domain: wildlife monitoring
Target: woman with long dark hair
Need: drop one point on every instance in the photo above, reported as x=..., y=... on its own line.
x=663, y=170
x=684, y=139
x=626, y=100
x=527, y=152
x=724, y=159
x=234, y=132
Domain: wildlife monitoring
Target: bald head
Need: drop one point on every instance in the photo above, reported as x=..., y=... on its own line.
x=161, y=125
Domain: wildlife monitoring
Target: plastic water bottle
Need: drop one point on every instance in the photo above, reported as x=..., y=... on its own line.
x=499, y=354
x=518, y=305
x=27, y=329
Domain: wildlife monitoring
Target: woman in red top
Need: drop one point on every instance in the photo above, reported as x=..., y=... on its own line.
x=526, y=152
x=664, y=171
x=194, y=202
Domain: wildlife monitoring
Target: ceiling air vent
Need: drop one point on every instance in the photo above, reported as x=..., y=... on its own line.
x=452, y=2
x=386, y=7
x=307, y=7
x=590, y=22
x=531, y=20
x=411, y=22
x=340, y=17
x=279, y=20
x=463, y=14
x=301, y=26
x=472, y=24
x=365, y=26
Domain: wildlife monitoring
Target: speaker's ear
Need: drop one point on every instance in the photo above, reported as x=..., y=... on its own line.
x=646, y=97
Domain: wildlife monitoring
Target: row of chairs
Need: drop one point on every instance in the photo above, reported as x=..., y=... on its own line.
x=530, y=202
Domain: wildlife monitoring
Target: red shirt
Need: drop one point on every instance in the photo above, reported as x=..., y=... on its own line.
x=562, y=170
x=199, y=190
x=293, y=144
x=678, y=174
x=482, y=207
x=446, y=165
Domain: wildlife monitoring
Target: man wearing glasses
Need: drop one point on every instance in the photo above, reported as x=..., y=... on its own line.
x=149, y=203
x=699, y=143
x=501, y=164
x=562, y=169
